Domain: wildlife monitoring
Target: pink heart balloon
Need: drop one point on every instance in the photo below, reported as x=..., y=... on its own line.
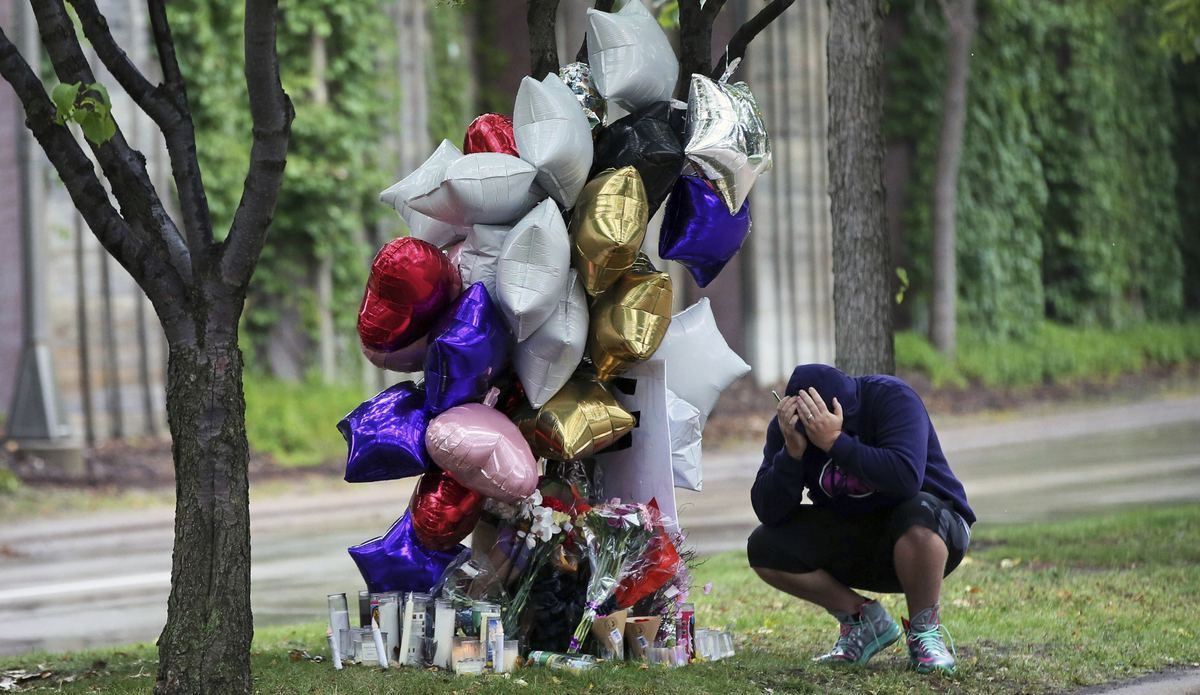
x=484, y=451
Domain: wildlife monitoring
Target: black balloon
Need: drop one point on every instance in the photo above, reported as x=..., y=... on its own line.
x=650, y=140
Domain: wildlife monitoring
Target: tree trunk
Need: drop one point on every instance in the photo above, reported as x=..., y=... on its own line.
x=862, y=307
x=205, y=646
x=543, y=42
x=960, y=23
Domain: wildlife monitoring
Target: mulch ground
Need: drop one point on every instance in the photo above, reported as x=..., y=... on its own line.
x=738, y=418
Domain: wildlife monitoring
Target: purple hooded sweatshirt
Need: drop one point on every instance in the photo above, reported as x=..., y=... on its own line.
x=887, y=452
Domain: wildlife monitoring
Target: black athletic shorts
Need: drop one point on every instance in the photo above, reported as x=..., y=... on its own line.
x=857, y=550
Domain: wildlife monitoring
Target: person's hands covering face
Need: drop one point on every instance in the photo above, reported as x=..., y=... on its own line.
x=822, y=425
x=788, y=412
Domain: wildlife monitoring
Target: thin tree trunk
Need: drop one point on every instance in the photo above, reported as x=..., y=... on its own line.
x=960, y=22
x=543, y=41
x=862, y=307
x=205, y=646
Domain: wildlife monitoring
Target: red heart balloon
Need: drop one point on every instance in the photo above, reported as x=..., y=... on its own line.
x=443, y=511
x=411, y=285
x=491, y=132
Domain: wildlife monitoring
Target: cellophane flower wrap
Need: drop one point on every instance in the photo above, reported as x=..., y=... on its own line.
x=655, y=568
x=548, y=525
x=614, y=535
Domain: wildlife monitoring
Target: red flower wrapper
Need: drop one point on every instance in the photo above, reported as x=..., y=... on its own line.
x=651, y=572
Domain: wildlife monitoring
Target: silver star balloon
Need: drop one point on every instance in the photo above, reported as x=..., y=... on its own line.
x=578, y=78
x=481, y=188
x=726, y=138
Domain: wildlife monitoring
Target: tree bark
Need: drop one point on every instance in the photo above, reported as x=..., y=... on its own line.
x=543, y=43
x=960, y=23
x=205, y=646
x=862, y=306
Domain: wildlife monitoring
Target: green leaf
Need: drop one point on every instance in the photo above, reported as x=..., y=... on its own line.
x=63, y=96
x=97, y=128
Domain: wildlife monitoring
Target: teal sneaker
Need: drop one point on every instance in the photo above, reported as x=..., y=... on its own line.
x=926, y=650
x=863, y=635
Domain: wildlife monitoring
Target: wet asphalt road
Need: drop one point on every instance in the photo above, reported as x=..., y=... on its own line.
x=102, y=579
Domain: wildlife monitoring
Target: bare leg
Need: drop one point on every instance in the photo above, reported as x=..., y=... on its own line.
x=817, y=587
x=920, y=559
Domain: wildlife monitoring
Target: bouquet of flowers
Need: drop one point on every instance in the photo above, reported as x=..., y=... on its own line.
x=548, y=527
x=614, y=535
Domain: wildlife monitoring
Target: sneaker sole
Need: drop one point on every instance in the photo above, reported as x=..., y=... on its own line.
x=931, y=669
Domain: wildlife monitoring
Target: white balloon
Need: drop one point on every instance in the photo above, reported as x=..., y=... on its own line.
x=631, y=58
x=699, y=363
x=531, y=272
x=552, y=133
x=481, y=188
x=686, y=428
x=546, y=360
x=428, y=175
x=726, y=137
x=479, y=254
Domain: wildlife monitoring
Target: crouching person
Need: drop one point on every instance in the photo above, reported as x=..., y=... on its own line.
x=887, y=513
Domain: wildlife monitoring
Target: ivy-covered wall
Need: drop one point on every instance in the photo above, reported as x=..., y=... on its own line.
x=335, y=165
x=1067, y=190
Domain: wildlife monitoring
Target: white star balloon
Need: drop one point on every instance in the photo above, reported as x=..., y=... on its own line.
x=427, y=176
x=531, y=272
x=546, y=360
x=699, y=363
x=479, y=254
x=481, y=188
x=552, y=133
x=631, y=58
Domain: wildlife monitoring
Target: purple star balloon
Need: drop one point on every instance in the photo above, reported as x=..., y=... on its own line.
x=386, y=435
x=698, y=230
x=396, y=561
x=467, y=351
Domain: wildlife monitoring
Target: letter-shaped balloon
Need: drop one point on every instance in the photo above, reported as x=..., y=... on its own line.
x=410, y=286
x=699, y=363
x=444, y=511
x=531, y=272
x=385, y=435
x=698, y=230
x=484, y=451
x=608, y=227
x=467, y=350
x=396, y=561
x=580, y=420
x=482, y=188
x=491, y=132
x=632, y=62
x=630, y=320
x=547, y=359
x=727, y=138
x=552, y=134
x=426, y=176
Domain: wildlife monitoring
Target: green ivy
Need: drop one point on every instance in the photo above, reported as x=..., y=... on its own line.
x=335, y=166
x=1066, y=199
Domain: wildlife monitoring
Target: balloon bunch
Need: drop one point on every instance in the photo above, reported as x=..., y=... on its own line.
x=524, y=260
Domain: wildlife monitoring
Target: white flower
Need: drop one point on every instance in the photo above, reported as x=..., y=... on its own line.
x=530, y=504
x=544, y=526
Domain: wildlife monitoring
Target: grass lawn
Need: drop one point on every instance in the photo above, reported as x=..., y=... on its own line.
x=1035, y=608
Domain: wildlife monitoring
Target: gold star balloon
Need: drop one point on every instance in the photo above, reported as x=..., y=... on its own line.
x=630, y=320
x=578, y=421
x=608, y=227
